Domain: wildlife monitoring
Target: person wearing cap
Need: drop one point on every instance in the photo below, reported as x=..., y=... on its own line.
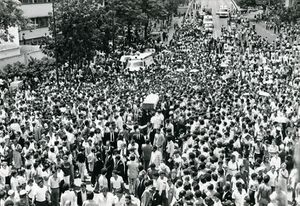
x=23, y=199
x=11, y=196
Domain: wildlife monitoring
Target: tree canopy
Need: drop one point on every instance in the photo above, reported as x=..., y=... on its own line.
x=83, y=27
x=11, y=15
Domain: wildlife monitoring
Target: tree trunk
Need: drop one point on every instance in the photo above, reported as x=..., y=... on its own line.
x=129, y=34
x=146, y=30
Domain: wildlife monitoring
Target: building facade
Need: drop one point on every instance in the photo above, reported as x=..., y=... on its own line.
x=38, y=11
x=292, y=3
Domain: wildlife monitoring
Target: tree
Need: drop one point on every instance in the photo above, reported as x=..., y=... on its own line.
x=127, y=13
x=77, y=32
x=11, y=15
x=246, y=3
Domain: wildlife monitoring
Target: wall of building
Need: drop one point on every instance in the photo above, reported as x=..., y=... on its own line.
x=26, y=53
x=39, y=14
x=36, y=10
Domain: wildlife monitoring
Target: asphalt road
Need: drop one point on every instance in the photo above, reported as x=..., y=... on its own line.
x=215, y=6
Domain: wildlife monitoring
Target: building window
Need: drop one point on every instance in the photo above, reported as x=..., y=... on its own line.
x=42, y=22
x=39, y=22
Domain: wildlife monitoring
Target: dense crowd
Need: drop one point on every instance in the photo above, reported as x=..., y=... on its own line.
x=223, y=132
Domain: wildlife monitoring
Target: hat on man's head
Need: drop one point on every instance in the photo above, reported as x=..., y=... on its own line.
x=10, y=192
x=23, y=192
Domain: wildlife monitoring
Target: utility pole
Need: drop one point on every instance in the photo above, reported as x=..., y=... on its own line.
x=55, y=42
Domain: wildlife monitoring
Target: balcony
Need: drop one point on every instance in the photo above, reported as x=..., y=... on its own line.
x=33, y=34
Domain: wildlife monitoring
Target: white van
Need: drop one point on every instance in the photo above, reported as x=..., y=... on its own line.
x=208, y=19
x=223, y=12
x=141, y=61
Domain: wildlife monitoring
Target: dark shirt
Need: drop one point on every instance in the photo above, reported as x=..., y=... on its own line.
x=81, y=157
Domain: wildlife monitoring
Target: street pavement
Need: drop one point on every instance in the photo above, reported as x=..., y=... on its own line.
x=219, y=22
x=260, y=27
x=215, y=6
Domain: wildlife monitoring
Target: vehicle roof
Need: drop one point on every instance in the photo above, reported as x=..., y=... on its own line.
x=145, y=54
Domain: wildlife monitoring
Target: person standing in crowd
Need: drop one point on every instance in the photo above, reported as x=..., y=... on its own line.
x=81, y=163
x=283, y=177
x=41, y=194
x=147, y=194
x=99, y=164
x=68, y=196
x=23, y=199
x=116, y=182
x=67, y=170
x=146, y=153
x=224, y=130
x=90, y=200
x=54, y=185
x=102, y=181
x=106, y=198
x=133, y=172
x=264, y=192
x=82, y=195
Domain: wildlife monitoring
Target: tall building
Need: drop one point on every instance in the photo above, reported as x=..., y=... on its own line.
x=38, y=11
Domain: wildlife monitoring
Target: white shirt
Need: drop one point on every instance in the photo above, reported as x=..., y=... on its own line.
x=31, y=190
x=54, y=182
x=156, y=121
x=273, y=177
x=116, y=183
x=162, y=184
x=103, y=181
x=239, y=198
x=105, y=201
x=276, y=161
x=52, y=157
x=68, y=195
x=41, y=193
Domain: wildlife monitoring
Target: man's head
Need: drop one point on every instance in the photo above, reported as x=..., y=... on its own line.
x=104, y=191
x=127, y=199
x=89, y=195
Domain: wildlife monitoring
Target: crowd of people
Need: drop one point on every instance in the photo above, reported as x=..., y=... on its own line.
x=223, y=132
